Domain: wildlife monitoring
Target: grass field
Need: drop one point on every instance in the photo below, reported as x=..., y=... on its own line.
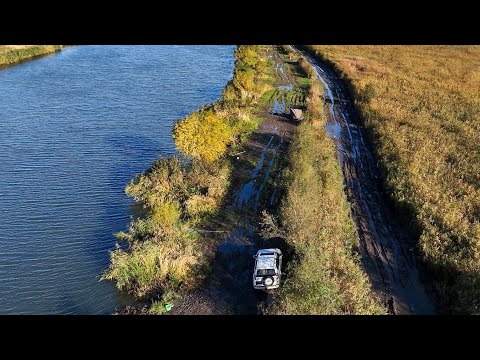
x=11, y=54
x=421, y=106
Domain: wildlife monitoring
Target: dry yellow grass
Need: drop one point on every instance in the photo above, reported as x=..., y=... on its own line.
x=425, y=122
x=11, y=54
x=4, y=48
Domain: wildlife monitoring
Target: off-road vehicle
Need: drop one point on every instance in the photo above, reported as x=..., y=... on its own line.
x=267, y=271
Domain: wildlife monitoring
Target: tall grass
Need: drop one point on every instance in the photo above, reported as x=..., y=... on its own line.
x=163, y=251
x=421, y=105
x=10, y=54
x=326, y=276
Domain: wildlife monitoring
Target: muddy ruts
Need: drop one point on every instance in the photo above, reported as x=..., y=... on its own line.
x=385, y=244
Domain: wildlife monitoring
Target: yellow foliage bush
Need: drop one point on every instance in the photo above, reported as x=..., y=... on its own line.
x=165, y=216
x=202, y=135
x=200, y=205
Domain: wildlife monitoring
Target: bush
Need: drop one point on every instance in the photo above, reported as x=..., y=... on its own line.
x=151, y=266
x=199, y=205
x=306, y=67
x=202, y=135
x=367, y=94
x=165, y=217
x=163, y=181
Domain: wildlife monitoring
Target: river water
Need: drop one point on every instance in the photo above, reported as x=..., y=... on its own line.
x=75, y=127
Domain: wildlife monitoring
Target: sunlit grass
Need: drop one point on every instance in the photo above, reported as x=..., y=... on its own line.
x=424, y=118
x=10, y=54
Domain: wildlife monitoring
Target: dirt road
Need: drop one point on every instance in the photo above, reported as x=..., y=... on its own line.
x=386, y=247
x=229, y=290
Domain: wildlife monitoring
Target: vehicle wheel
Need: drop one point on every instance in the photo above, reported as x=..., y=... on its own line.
x=268, y=281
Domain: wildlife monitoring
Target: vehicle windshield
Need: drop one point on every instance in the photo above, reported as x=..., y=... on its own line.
x=265, y=272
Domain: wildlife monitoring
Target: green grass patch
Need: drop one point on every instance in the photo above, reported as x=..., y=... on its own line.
x=326, y=275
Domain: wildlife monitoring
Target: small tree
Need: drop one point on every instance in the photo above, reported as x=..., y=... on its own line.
x=202, y=135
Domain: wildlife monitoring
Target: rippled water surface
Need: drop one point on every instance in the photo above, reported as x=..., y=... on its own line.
x=75, y=127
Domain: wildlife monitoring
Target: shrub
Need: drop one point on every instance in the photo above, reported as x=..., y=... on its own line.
x=164, y=181
x=199, y=205
x=152, y=266
x=165, y=216
x=202, y=135
x=367, y=94
x=306, y=67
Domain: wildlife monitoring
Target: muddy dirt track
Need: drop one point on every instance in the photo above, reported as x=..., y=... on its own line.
x=229, y=289
x=386, y=247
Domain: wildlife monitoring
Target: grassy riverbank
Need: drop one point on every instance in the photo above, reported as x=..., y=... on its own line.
x=11, y=54
x=325, y=276
x=164, y=254
x=421, y=106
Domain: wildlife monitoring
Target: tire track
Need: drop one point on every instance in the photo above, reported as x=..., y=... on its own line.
x=385, y=244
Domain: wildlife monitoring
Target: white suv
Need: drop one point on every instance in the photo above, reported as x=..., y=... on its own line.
x=267, y=271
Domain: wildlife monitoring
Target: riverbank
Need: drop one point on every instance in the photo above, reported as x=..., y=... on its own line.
x=257, y=165
x=169, y=251
x=420, y=107
x=12, y=54
x=80, y=140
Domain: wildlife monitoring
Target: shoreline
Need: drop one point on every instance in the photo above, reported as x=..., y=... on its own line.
x=14, y=54
x=170, y=250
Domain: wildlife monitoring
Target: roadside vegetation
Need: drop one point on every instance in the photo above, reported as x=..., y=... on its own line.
x=11, y=54
x=325, y=275
x=421, y=107
x=163, y=252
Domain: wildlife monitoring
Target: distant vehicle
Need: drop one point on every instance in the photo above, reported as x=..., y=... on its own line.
x=267, y=271
x=296, y=115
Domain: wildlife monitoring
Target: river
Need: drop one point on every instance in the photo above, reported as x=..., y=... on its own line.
x=75, y=128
